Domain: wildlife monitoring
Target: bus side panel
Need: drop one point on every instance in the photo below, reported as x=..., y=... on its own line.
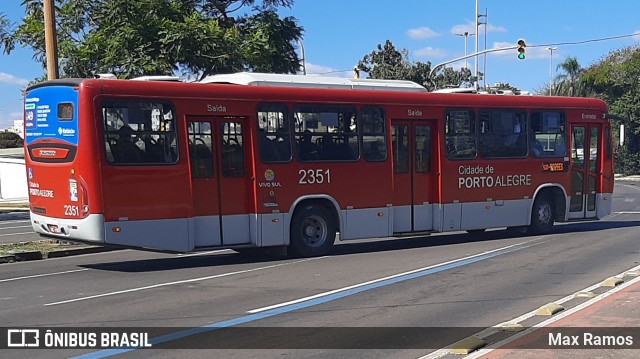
x=362, y=195
x=491, y=214
x=132, y=195
x=164, y=234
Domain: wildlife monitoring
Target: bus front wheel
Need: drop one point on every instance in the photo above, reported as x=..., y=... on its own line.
x=542, y=215
x=313, y=231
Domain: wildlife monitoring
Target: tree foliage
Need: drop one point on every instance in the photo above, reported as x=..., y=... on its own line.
x=10, y=140
x=387, y=62
x=616, y=80
x=148, y=37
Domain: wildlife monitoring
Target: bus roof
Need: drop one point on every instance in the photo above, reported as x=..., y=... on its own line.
x=287, y=80
x=456, y=90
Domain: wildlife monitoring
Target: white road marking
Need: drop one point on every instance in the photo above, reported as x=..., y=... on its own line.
x=15, y=234
x=16, y=221
x=15, y=227
x=205, y=253
x=179, y=282
x=42, y=275
x=354, y=286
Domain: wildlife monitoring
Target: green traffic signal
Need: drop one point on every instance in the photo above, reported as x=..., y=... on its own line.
x=521, y=47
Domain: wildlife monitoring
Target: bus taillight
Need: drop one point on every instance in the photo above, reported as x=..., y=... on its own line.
x=84, y=198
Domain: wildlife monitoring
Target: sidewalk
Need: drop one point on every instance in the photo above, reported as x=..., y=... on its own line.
x=604, y=326
x=14, y=205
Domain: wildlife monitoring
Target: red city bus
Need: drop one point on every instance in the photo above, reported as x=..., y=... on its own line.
x=262, y=160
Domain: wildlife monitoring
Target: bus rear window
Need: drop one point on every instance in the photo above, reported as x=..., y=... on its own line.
x=139, y=132
x=65, y=111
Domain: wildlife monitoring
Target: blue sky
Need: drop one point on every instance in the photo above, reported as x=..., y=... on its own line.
x=338, y=33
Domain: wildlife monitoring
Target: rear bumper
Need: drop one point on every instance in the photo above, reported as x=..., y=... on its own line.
x=89, y=229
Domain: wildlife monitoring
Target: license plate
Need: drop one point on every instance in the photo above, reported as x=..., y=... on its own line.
x=54, y=229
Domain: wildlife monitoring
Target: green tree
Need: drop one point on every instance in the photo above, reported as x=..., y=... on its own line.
x=5, y=36
x=448, y=77
x=616, y=80
x=10, y=140
x=569, y=83
x=148, y=37
x=387, y=62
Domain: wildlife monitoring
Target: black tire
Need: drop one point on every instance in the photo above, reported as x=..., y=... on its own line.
x=542, y=215
x=313, y=231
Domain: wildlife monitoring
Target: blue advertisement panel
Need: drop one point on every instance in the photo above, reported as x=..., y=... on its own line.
x=51, y=113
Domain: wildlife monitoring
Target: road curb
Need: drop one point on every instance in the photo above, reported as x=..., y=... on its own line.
x=7, y=259
x=23, y=256
x=76, y=251
x=19, y=255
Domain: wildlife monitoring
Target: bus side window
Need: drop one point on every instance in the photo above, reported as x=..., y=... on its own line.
x=460, y=134
x=139, y=132
x=374, y=139
x=200, y=150
x=126, y=150
x=232, y=150
x=326, y=133
x=548, y=137
x=274, y=135
x=503, y=134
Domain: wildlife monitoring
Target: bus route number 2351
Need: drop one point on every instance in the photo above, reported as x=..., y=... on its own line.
x=317, y=176
x=72, y=211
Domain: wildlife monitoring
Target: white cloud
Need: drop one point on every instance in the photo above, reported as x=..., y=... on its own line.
x=493, y=28
x=461, y=29
x=12, y=80
x=470, y=28
x=430, y=52
x=422, y=33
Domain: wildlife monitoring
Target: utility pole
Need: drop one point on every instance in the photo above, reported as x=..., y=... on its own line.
x=51, y=44
x=484, y=61
x=477, y=49
x=551, y=69
x=466, y=34
x=304, y=60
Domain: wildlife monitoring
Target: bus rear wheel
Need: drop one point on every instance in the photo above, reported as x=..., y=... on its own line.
x=313, y=231
x=542, y=215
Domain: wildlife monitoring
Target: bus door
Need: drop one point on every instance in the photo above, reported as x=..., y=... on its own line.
x=412, y=167
x=585, y=169
x=219, y=182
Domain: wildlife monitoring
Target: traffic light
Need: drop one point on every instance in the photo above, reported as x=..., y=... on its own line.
x=521, y=47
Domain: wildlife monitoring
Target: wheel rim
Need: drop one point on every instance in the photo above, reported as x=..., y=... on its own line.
x=544, y=214
x=314, y=231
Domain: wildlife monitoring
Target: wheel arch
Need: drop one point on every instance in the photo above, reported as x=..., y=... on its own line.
x=558, y=196
x=326, y=201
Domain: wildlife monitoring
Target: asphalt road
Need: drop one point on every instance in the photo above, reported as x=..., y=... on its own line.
x=15, y=227
x=450, y=281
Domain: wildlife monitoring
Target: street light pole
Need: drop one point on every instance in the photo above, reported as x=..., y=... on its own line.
x=51, y=43
x=304, y=60
x=551, y=68
x=466, y=35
